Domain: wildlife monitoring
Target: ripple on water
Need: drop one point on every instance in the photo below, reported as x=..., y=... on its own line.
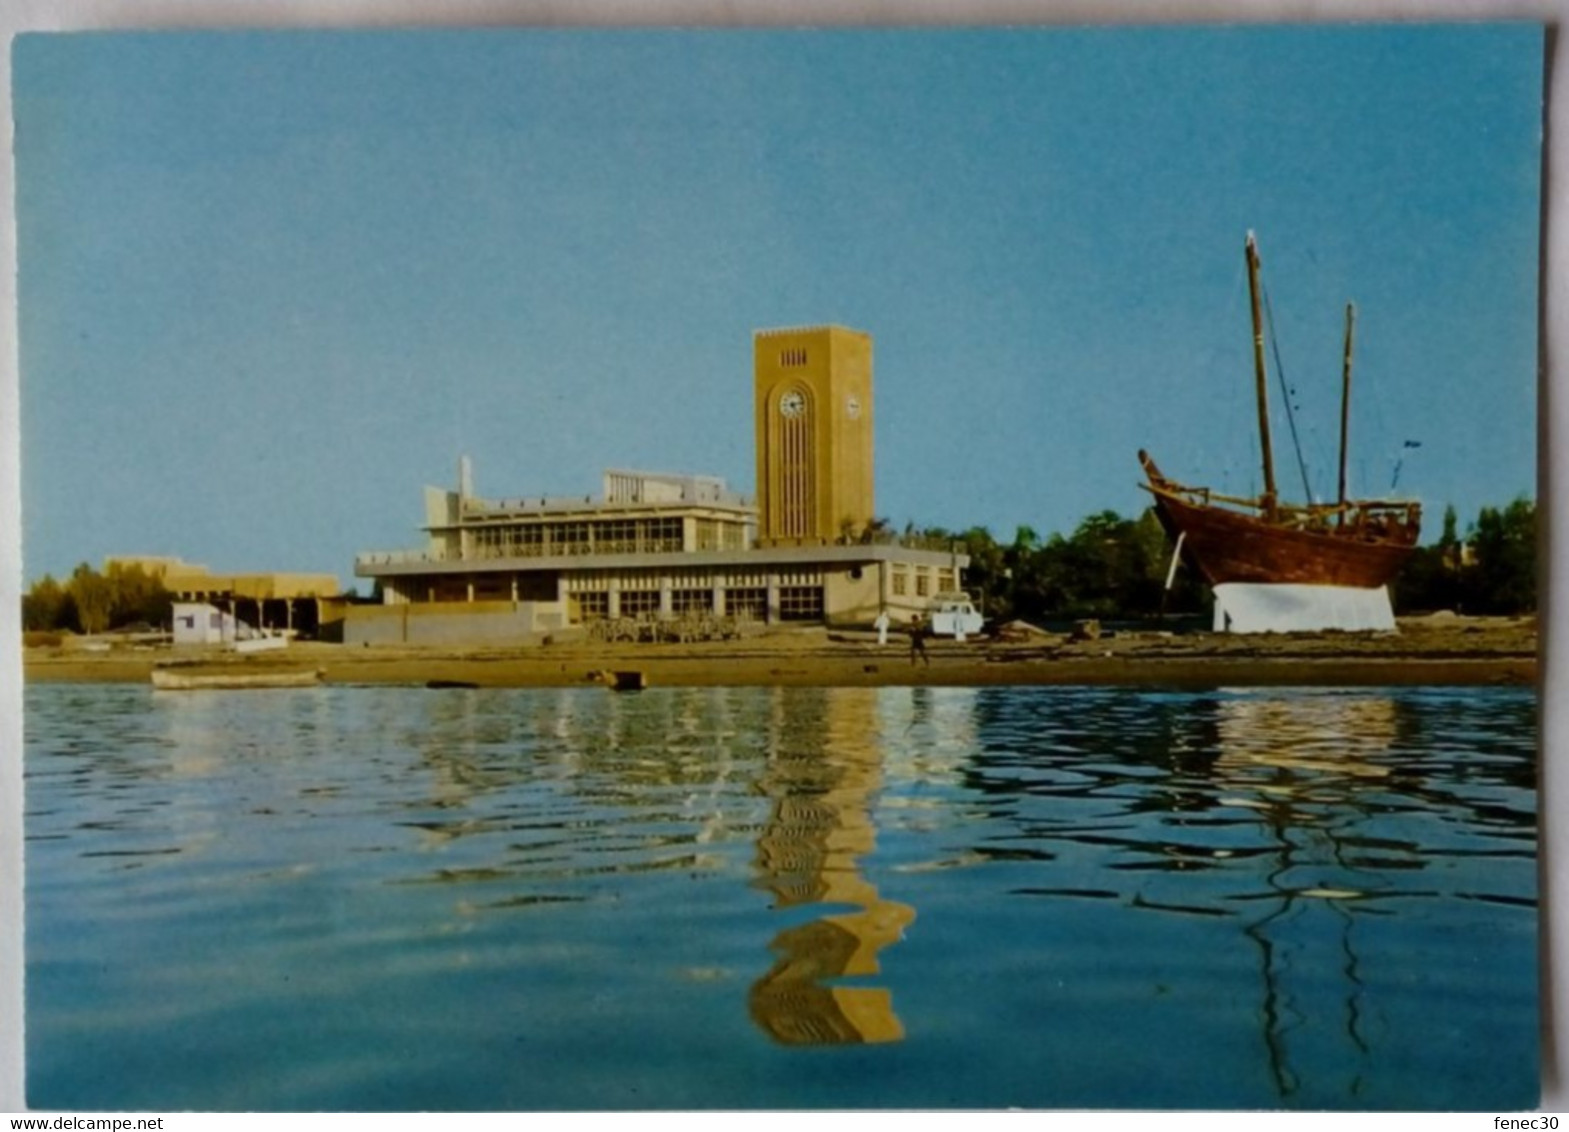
x=366, y=898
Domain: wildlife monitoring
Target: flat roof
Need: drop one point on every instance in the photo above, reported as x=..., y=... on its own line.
x=476, y=511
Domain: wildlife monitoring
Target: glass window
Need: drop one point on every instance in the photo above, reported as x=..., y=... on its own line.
x=691, y=601
x=661, y=536
x=800, y=603
x=749, y=603
x=639, y=603
x=589, y=607
x=615, y=536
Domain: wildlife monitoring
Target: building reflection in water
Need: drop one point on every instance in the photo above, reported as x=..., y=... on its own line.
x=818, y=759
x=823, y=768
x=1306, y=765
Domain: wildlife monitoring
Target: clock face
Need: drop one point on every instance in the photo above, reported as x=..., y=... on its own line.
x=792, y=404
x=852, y=407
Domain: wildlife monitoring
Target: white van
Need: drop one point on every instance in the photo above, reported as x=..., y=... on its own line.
x=955, y=615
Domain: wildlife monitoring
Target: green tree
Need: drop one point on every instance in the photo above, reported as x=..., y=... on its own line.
x=48, y=606
x=988, y=577
x=93, y=597
x=137, y=597
x=1426, y=582
x=1503, y=579
x=1449, y=539
x=1493, y=571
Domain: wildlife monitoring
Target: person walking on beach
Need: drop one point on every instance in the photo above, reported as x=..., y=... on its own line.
x=918, y=641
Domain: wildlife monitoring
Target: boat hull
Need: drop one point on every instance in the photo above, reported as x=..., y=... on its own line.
x=177, y=681
x=1229, y=546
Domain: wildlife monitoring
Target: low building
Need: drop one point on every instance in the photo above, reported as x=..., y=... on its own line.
x=304, y=603
x=671, y=547
x=198, y=623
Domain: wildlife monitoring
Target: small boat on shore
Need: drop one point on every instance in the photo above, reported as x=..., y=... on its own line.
x=178, y=679
x=633, y=680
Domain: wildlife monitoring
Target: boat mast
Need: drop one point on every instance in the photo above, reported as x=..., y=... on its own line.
x=1345, y=407
x=1267, y=501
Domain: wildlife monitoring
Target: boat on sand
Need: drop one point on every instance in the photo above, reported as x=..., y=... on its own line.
x=178, y=679
x=1276, y=565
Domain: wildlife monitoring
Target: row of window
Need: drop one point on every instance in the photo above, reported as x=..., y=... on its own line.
x=796, y=603
x=715, y=535
x=900, y=582
x=653, y=578
x=640, y=594
x=604, y=536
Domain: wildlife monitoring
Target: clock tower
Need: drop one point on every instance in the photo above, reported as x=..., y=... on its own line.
x=812, y=396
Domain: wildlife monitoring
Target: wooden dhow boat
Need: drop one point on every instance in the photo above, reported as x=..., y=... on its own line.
x=1357, y=544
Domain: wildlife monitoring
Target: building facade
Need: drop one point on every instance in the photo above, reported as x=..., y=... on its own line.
x=668, y=547
x=812, y=398
x=298, y=603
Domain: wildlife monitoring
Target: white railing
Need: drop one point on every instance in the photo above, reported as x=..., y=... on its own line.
x=401, y=557
x=473, y=508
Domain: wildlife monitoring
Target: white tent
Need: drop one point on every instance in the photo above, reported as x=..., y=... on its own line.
x=1242, y=607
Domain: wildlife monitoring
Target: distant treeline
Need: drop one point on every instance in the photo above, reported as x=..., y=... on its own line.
x=1115, y=567
x=1493, y=570
x=90, y=602
x=1109, y=567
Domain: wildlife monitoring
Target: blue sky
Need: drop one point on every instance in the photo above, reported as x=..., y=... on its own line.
x=273, y=284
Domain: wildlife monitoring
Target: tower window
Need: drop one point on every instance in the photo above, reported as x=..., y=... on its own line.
x=793, y=357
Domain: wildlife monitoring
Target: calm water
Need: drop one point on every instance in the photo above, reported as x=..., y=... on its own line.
x=360, y=898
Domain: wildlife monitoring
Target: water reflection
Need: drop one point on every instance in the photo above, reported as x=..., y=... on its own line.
x=1318, y=829
x=548, y=803
x=1216, y=899
x=824, y=767
x=1302, y=765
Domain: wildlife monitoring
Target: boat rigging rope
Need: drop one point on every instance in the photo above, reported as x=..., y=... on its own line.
x=1285, y=394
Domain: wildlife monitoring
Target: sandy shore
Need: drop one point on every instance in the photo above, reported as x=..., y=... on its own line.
x=1446, y=650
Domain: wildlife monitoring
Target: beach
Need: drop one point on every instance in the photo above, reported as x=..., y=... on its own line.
x=1439, y=650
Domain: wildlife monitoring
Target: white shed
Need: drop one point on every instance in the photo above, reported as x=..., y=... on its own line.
x=198, y=623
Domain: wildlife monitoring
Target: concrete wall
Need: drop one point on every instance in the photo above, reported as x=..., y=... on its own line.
x=480, y=622
x=851, y=601
x=848, y=600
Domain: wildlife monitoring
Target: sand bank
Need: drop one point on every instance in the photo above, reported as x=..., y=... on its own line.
x=1457, y=651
